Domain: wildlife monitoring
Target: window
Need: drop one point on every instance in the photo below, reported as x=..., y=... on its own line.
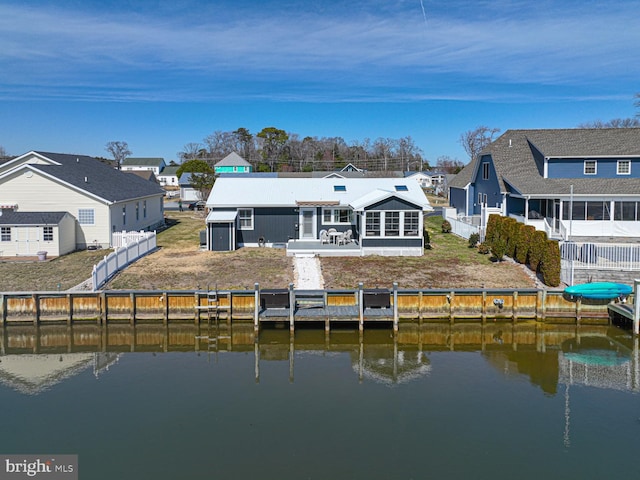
x=624, y=167
x=5, y=234
x=411, y=224
x=590, y=167
x=137, y=211
x=372, y=224
x=480, y=198
x=485, y=171
x=124, y=215
x=144, y=209
x=392, y=224
x=245, y=218
x=337, y=216
x=587, y=211
x=625, y=211
x=47, y=234
x=86, y=216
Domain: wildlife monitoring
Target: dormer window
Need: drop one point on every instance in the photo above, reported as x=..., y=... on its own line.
x=590, y=167
x=624, y=167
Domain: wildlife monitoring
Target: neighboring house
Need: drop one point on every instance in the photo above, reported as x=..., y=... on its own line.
x=578, y=182
x=233, y=163
x=27, y=233
x=149, y=176
x=423, y=179
x=101, y=200
x=187, y=192
x=385, y=215
x=168, y=176
x=154, y=165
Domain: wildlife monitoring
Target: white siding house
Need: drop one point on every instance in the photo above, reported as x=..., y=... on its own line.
x=101, y=199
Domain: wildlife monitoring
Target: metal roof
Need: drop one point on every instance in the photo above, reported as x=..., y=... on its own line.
x=282, y=192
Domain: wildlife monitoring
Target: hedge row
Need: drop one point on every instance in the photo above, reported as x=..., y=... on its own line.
x=526, y=245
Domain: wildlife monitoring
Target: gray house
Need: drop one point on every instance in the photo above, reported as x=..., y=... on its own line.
x=326, y=216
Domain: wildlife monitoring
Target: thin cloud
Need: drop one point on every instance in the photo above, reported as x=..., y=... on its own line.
x=307, y=56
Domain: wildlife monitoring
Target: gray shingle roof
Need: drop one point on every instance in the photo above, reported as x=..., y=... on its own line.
x=143, y=162
x=518, y=159
x=233, y=160
x=96, y=178
x=9, y=217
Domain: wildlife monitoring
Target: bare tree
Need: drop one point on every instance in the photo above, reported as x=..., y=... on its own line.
x=119, y=151
x=474, y=141
x=614, y=123
x=190, y=151
x=3, y=152
x=448, y=165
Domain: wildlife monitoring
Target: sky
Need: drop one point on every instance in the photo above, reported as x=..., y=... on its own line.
x=158, y=74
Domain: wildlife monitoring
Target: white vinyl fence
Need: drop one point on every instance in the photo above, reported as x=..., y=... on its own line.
x=133, y=247
x=577, y=256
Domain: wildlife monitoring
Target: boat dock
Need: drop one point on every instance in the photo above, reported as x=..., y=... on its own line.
x=628, y=311
x=359, y=307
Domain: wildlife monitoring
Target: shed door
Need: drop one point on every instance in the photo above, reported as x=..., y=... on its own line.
x=222, y=237
x=27, y=240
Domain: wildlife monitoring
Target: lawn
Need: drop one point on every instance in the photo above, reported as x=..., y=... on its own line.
x=180, y=264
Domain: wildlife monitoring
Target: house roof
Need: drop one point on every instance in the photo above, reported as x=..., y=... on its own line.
x=147, y=175
x=169, y=171
x=233, y=160
x=10, y=217
x=92, y=176
x=143, y=162
x=282, y=192
x=518, y=157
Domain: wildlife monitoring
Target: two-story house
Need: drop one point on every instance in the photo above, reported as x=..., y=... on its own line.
x=155, y=165
x=569, y=182
x=233, y=163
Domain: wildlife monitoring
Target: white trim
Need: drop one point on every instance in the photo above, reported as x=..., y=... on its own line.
x=313, y=235
x=253, y=219
x=626, y=162
x=595, y=167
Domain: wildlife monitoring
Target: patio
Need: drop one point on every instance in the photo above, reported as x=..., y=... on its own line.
x=315, y=247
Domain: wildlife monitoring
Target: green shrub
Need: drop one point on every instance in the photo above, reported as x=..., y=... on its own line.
x=492, y=228
x=474, y=239
x=523, y=245
x=510, y=233
x=550, y=267
x=484, y=248
x=499, y=248
x=536, y=252
x=446, y=227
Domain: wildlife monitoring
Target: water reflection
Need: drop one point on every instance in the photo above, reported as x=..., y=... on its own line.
x=33, y=359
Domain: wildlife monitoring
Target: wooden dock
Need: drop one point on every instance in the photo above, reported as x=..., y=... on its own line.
x=360, y=306
x=628, y=311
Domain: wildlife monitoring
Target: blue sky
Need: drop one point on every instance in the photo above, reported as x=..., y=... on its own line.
x=158, y=74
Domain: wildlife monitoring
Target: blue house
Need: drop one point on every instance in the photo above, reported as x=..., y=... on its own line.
x=568, y=182
x=326, y=216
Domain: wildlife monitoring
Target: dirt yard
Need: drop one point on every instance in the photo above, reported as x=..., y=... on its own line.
x=179, y=264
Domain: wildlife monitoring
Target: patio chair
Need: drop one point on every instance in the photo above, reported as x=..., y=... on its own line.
x=324, y=236
x=346, y=237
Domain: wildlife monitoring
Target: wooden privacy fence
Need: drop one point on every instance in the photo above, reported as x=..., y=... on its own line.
x=134, y=246
x=327, y=306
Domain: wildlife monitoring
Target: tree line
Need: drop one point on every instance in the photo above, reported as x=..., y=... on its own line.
x=273, y=149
